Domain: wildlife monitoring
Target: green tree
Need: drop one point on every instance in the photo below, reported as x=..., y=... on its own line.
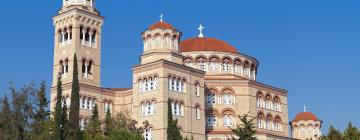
x=245, y=130
x=60, y=124
x=93, y=130
x=22, y=111
x=41, y=114
x=74, y=132
x=108, y=127
x=5, y=120
x=124, y=128
x=333, y=134
x=351, y=133
x=173, y=131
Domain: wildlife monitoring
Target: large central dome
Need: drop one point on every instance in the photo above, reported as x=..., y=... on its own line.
x=206, y=44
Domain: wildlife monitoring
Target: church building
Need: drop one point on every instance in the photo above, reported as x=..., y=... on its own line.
x=207, y=80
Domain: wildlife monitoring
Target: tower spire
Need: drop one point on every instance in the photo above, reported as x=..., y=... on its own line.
x=201, y=28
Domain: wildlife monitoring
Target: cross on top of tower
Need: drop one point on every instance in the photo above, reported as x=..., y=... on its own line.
x=161, y=17
x=201, y=28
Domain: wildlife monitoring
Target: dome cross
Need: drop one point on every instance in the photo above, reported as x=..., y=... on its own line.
x=304, y=108
x=161, y=17
x=201, y=28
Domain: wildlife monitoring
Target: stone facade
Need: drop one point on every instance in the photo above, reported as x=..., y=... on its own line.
x=207, y=88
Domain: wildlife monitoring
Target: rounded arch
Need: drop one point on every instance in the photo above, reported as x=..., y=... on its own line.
x=226, y=59
x=227, y=89
x=213, y=111
x=228, y=111
x=212, y=90
x=200, y=57
x=188, y=59
x=214, y=58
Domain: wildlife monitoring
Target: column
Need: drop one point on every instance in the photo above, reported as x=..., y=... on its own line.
x=68, y=36
x=62, y=37
x=91, y=2
x=86, y=70
x=83, y=33
x=91, y=37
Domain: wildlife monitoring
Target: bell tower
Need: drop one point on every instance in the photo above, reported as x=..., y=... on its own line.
x=78, y=27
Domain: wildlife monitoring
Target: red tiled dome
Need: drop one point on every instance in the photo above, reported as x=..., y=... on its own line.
x=206, y=44
x=305, y=116
x=161, y=25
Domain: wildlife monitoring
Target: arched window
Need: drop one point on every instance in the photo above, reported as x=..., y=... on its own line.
x=268, y=102
x=153, y=104
x=228, y=120
x=148, y=108
x=84, y=102
x=88, y=104
x=227, y=98
x=62, y=67
x=277, y=104
x=178, y=85
x=246, y=69
x=200, y=62
x=278, y=126
x=214, y=61
x=148, y=133
x=143, y=109
x=146, y=85
x=83, y=67
x=151, y=84
x=173, y=83
x=176, y=108
x=197, y=89
x=155, y=83
x=269, y=123
x=261, y=121
x=82, y=123
x=197, y=112
x=226, y=65
x=211, y=98
x=259, y=100
x=66, y=65
x=89, y=67
x=211, y=119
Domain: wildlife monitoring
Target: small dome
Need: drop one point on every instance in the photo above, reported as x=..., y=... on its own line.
x=161, y=25
x=206, y=44
x=305, y=116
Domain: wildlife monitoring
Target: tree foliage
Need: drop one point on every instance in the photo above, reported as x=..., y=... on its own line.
x=74, y=132
x=245, y=130
x=173, y=131
x=351, y=133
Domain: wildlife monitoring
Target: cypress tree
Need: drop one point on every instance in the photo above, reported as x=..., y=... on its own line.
x=173, y=132
x=246, y=130
x=41, y=115
x=5, y=120
x=74, y=129
x=108, y=123
x=334, y=134
x=58, y=115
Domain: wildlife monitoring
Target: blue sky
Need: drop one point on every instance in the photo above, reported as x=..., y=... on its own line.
x=310, y=48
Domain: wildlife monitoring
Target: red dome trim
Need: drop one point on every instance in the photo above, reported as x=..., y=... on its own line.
x=161, y=25
x=305, y=116
x=206, y=44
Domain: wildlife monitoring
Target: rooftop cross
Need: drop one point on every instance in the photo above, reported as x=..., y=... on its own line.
x=304, y=108
x=201, y=28
x=161, y=18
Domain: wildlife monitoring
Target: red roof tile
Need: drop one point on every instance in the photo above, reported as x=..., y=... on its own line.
x=206, y=44
x=305, y=116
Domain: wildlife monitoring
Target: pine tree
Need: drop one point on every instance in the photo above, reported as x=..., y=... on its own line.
x=93, y=130
x=74, y=132
x=173, y=132
x=351, y=133
x=41, y=115
x=333, y=134
x=245, y=130
x=108, y=123
x=5, y=120
x=58, y=114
